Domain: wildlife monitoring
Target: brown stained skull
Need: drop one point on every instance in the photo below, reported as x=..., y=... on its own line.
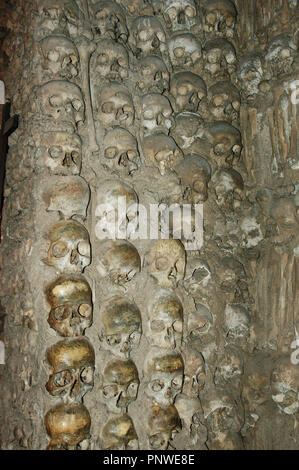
x=229, y=367
x=179, y=14
x=226, y=143
x=194, y=373
x=62, y=101
x=148, y=36
x=161, y=151
x=220, y=17
x=109, y=20
x=185, y=51
x=154, y=76
x=195, y=173
x=191, y=415
x=237, y=324
x=280, y=54
x=68, y=195
x=220, y=60
x=156, y=114
x=68, y=427
x=72, y=368
x=57, y=18
x=69, y=250
x=163, y=424
x=60, y=57
x=121, y=151
x=200, y=331
x=228, y=186
x=163, y=373
x=71, y=306
x=221, y=414
x=119, y=434
x=285, y=215
x=121, y=326
x=119, y=260
x=250, y=74
x=119, y=385
x=61, y=152
x=285, y=386
x=187, y=90
x=115, y=106
x=224, y=102
x=167, y=261
x=110, y=60
x=165, y=320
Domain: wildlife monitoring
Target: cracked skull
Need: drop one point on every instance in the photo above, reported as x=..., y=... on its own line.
x=121, y=151
x=156, y=114
x=220, y=17
x=115, y=106
x=119, y=260
x=188, y=90
x=195, y=173
x=179, y=14
x=154, y=76
x=163, y=424
x=220, y=60
x=119, y=434
x=110, y=60
x=167, y=261
x=62, y=152
x=224, y=101
x=284, y=386
x=184, y=51
x=61, y=57
x=68, y=195
x=149, y=35
x=161, y=151
x=110, y=21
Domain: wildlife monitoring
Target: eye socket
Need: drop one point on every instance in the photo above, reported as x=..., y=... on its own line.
x=157, y=325
x=61, y=379
x=110, y=391
x=132, y=389
x=211, y=18
x=112, y=340
x=111, y=152
x=84, y=310
x=108, y=108
x=229, y=21
x=86, y=375
x=162, y=263
x=157, y=386
x=172, y=13
x=59, y=249
x=84, y=249
x=62, y=312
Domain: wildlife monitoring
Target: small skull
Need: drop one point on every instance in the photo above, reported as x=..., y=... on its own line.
x=220, y=17
x=110, y=21
x=154, y=76
x=280, y=54
x=179, y=14
x=250, y=75
x=191, y=415
x=186, y=131
x=120, y=151
x=61, y=152
x=110, y=60
x=149, y=35
x=221, y=414
x=200, y=331
x=195, y=172
x=72, y=362
x=226, y=142
x=156, y=114
x=194, y=373
x=167, y=261
x=228, y=185
x=69, y=249
x=284, y=386
x=229, y=367
x=224, y=101
x=220, y=60
x=68, y=427
x=61, y=57
x=121, y=326
x=119, y=434
x=115, y=106
x=137, y=7
x=165, y=320
x=285, y=214
x=71, y=306
x=163, y=424
x=237, y=324
x=188, y=90
x=163, y=376
x=57, y=19
x=119, y=260
x=185, y=51
x=161, y=151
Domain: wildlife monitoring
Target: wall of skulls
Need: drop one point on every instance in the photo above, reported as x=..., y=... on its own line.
x=135, y=343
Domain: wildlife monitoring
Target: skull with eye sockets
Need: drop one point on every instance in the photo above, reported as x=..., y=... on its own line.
x=109, y=20
x=179, y=14
x=224, y=101
x=119, y=260
x=167, y=261
x=188, y=90
x=220, y=17
x=110, y=60
x=156, y=114
x=154, y=76
x=61, y=152
x=115, y=106
x=148, y=36
x=185, y=51
x=60, y=57
x=161, y=151
x=220, y=59
x=121, y=151
x=163, y=424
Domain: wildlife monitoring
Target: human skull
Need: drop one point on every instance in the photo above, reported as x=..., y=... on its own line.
x=72, y=363
x=116, y=210
x=179, y=14
x=194, y=373
x=57, y=18
x=224, y=101
x=149, y=35
x=68, y=195
x=154, y=76
x=137, y=7
x=165, y=320
x=61, y=152
x=121, y=326
x=68, y=427
x=161, y=151
x=185, y=51
x=187, y=129
x=285, y=214
x=229, y=367
x=115, y=106
x=226, y=142
x=188, y=90
x=119, y=385
x=237, y=324
x=191, y=415
x=62, y=101
x=119, y=260
x=110, y=60
x=119, y=434
x=230, y=272
x=252, y=233
x=163, y=424
x=195, y=172
x=69, y=250
x=120, y=151
x=250, y=75
x=280, y=54
x=228, y=186
x=221, y=414
x=220, y=17
x=156, y=114
x=167, y=261
x=61, y=57
x=163, y=373
x=284, y=386
x=200, y=334
x=220, y=60
x=71, y=306
x=110, y=21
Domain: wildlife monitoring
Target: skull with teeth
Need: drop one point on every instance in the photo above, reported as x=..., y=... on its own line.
x=154, y=75
x=228, y=185
x=194, y=373
x=110, y=21
x=121, y=326
x=71, y=306
x=119, y=386
x=167, y=261
x=161, y=151
x=72, y=363
x=284, y=386
x=188, y=90
x=220, y=17
x=156, y=114
x=280, y=54
x=220, y=61
x=163, y=424
x=119, y=434
x=165, y=320
x=224, y=101
x=115, y=106
x=163, y=376
x=69, y=249
x=148, y=35
x=61, y=152
x=226, y=142
x=121, y=151
x=195, y=172
x=185, y=51
x=110, y=60
x=179, y=14
x=61, y=58
x=119, y=260
x=237, y=324
x=250, y=74
x=68, y=427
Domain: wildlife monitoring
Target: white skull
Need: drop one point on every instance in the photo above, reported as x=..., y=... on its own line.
x=110, y=60
x=226, y=142
x=161, y=151
x=188, y=90
x=221, y=414
x=68, y=195
x=61, y=152
x=185, y=51
x=156, y=114
x=237, y=323
x=224, y=101
x=118, y=260
x=220, y=17
x=61, y=57
x=250, y=75
x=280, y=54
x=284, y=386
x=179, y=14
x=167, y=261
x=154, y=76
x=109, y=20
x=120, y=151
x=220, y=60
x=115, y=106
x=149, y=36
